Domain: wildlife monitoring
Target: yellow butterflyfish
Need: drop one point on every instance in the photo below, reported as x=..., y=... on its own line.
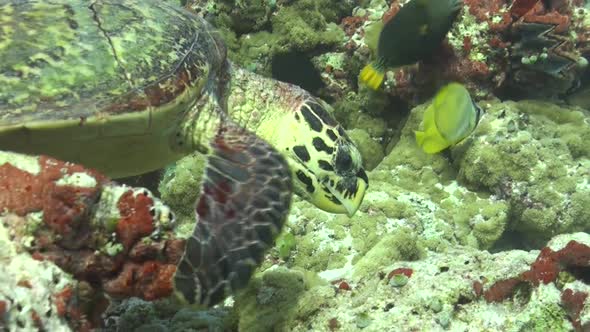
x=450, y=118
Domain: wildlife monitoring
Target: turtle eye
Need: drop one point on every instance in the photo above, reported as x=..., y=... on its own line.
x=343, y=160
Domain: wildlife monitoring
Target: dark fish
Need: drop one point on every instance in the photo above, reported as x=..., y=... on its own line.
x=411, y=35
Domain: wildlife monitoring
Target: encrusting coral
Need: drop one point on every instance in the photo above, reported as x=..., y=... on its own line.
x=108, y=237
x=532, y=155
x=462, y=289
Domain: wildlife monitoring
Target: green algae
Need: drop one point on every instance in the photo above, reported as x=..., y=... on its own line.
x=398, y=280
x=402, y=245
x=257, y=30
x=304, y=30
x=178, y=189
x=371, y=151
x=362, y=110
x=528, y=153
x=422, y=190
x=481, y=222
x=112, y=249
x=363, y=320
x=544, y=312
x=311, y=255
x=285, y=243
x=276, y=297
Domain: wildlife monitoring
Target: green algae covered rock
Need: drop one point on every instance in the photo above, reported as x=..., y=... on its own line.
x=422, y=192
x=257, y=30
x=536, y=156
x=439, y=292
x=524, y=169
x=422, y=213
x=494, y=181
x=177, y=188
x=400, y=245
x=277, y=297
x=371, y=150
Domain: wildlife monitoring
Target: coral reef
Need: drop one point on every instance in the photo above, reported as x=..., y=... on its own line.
x=494, y=46
x=415, y=256
x=532, y=155
x=424, y=209
x=258, y=30
x=139, y=315
x=107, y=237
x=560, y=265
x=441, y=291
x=512, y=49
x=425, y=216
x=518, y=173
x=462, y=289
x=34, y=294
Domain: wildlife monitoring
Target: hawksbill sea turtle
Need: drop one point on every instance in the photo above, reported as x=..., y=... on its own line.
x=127, y=87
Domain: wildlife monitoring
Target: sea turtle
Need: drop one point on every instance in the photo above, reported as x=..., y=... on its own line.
x=127, y=87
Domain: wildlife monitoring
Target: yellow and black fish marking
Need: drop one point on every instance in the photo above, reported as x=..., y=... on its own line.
x=410, y=36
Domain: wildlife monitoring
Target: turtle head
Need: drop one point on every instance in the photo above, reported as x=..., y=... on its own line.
x=326, y=165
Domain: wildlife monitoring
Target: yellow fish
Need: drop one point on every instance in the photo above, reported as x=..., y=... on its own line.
x=410, y=36
x=450, y=118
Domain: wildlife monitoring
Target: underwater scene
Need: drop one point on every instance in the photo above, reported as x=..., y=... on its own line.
x=295, y=165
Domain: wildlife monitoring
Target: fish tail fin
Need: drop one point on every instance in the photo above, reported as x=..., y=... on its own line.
x=372, y=75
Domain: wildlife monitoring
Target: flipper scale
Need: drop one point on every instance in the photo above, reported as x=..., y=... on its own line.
x=239, y=216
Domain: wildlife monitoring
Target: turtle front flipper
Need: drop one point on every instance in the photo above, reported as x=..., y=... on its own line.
x=245, y=198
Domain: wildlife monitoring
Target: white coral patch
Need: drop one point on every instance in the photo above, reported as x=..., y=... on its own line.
x=560, y=241
x=23, y=162
x=45, y=280
x=78, y=179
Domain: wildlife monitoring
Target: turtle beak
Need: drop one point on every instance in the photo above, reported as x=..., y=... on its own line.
x=350, y=200
x=347, y=194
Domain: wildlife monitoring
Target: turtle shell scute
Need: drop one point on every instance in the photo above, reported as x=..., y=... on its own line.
x=63, y=60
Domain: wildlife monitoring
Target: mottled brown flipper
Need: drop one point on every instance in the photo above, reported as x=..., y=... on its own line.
x=244, y=202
